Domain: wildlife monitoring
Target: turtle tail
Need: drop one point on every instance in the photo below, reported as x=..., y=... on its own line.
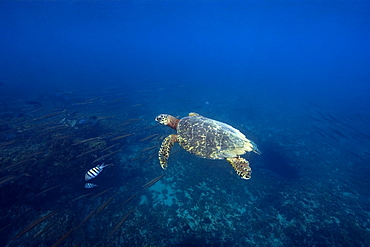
x=241, y=166
x=164, y=151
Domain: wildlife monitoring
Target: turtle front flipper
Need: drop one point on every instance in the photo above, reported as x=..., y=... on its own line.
x=241, y=167
x=164, y=151
x=193, y=114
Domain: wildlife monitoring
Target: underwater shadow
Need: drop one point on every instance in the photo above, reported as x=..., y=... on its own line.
x=273, y=159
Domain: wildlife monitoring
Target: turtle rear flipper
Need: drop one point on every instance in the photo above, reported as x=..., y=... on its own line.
x=164, y=151
x=255, y=148
x=241, y=166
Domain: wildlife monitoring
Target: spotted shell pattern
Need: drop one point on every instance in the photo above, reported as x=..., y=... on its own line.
x=211, y=139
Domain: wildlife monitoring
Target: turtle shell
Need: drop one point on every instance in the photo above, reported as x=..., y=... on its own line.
x=211, y=139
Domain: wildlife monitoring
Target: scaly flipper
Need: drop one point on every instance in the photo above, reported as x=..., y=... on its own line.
x=241, y=167
x=255, y=148
x=194, y=114
x=164, y=151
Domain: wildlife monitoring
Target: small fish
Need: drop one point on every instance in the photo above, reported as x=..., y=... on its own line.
x=90, y=185
x=93, y=172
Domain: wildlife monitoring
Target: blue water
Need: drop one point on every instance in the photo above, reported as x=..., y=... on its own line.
x=81, y=83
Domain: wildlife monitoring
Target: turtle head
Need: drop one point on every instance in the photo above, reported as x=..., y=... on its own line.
x=163, y=119
x=168, y=120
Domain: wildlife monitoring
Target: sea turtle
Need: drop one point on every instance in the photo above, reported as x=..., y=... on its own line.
x=207, y=138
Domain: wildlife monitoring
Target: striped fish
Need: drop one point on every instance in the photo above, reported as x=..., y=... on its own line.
x=93, y=172
x=90, y=185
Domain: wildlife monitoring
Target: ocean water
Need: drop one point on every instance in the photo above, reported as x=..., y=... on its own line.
x=81, y=83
